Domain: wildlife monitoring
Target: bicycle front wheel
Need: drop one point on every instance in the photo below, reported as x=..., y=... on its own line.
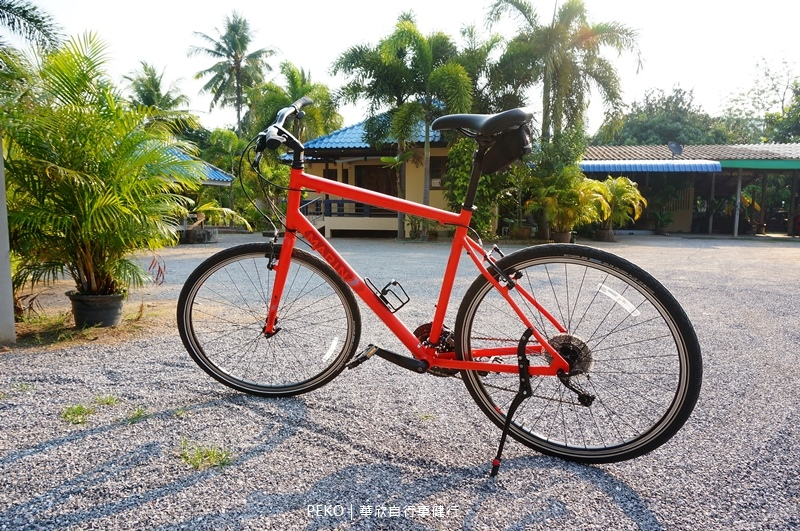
x=222, y=310
x=629, y=344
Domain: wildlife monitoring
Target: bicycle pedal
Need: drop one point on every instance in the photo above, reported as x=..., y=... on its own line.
x=362, y=356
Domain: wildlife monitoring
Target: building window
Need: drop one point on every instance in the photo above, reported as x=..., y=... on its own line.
x=438, y=169
x=330, y=173
x=377, y=179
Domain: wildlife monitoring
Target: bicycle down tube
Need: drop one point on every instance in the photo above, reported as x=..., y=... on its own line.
x=297, y=223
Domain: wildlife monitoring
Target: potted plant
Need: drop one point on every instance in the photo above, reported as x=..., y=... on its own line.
x=91, y=180
x=625, y=204
x=572, y=200
x=660, y=220
x=210, y=214
x=421, y=228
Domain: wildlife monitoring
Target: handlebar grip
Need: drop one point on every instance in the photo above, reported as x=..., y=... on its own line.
x=305, y=101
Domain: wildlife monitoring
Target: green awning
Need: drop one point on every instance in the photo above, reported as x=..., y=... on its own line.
x=762, y=164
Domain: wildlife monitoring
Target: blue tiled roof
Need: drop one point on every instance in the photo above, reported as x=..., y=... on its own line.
x=210, y=173
x=667, y=166
x=352, y=137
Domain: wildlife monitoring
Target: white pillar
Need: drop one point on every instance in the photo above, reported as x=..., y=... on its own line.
x=709, y=207
x=738, y=204
x=793, y=206
x=8, y=333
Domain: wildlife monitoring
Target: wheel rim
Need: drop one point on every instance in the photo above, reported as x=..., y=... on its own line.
x=226, y=312
x=619, y=334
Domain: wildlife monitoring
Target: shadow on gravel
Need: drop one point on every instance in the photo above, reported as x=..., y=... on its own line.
x=394, y=493
x=387, y=491
x=58, y=506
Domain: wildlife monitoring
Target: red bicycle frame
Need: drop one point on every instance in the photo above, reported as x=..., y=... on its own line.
x=296, y=222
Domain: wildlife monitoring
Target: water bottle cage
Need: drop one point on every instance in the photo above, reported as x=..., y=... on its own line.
x=392, y=295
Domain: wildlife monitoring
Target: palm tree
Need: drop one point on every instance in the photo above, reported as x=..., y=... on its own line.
x=25, y=20
x=90, y=178
x=384, y=82
x=236, y=69
x=571, y=200
x=438, y=84
x=414, y=77
x=266, y=100
x=625, y=205
x=148, y=90
x=566, y=57
x=476, y=56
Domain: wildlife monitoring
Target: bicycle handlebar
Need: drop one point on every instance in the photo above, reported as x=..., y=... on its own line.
x=276, y=134
x=291, y=111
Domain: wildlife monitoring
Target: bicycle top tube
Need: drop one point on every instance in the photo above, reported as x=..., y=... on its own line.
x=300, y=179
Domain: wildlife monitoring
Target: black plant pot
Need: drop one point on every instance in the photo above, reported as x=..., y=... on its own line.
x=96, y=310
x=561, y=237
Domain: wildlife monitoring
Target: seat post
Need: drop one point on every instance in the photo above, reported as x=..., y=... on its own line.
x=472, y=190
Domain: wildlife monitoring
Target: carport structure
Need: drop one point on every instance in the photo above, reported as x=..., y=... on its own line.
x=714, y=170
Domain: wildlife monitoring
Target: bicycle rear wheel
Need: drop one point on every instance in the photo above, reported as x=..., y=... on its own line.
x=222, y=310
x=631, y=342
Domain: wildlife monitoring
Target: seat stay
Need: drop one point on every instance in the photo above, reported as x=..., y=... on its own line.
x=558, y=363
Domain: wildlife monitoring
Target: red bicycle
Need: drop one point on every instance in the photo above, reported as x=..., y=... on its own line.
x=573, y=351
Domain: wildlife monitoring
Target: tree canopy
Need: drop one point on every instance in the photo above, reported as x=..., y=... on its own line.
x=237, y=68
x=784, y=125
x=147, y=88
x=660, y=118
x=566, y=57
x=25, y=20
x=266, y=100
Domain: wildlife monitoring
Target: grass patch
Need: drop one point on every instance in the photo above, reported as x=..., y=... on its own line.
x=41, y=329
x=201, y=457
x=139, y=414
x=106, y=400
x=18, y=387
x=77, y=414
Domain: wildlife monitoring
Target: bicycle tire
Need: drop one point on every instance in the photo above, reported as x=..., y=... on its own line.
x=634, y=343
x=222, y=310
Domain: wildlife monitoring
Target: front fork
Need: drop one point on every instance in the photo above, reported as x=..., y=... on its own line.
x=278, y=262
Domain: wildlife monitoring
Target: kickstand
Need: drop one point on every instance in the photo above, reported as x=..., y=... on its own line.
x=523, y=393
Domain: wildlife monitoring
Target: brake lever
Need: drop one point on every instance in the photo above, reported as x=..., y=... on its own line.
x=257, y=160
x=269, y=138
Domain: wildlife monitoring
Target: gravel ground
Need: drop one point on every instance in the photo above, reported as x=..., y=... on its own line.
x=382, y=448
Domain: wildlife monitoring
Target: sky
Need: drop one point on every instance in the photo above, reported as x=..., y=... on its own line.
x=711, y=47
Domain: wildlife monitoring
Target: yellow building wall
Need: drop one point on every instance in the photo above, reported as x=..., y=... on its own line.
x=682, y=211
x=414, y=180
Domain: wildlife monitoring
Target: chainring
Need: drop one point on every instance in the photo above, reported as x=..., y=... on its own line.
x=446, y=343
